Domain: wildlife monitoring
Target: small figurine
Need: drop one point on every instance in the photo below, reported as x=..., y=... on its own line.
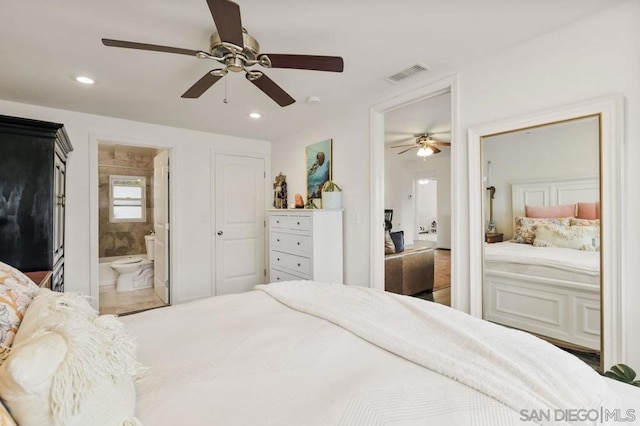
x=299, y=203
x=280, y=192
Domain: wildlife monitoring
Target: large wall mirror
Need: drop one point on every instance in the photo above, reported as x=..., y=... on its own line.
x=541, y=270
x=545, y=227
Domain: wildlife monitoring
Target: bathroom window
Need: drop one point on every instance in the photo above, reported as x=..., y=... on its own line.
x=127, y=199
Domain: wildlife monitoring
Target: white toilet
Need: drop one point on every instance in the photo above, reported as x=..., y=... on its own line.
x=135, y=272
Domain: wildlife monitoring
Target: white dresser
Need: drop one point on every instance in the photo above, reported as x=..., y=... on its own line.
x=305, y=244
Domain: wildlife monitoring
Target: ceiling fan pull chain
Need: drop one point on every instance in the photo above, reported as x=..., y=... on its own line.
x=226, y=82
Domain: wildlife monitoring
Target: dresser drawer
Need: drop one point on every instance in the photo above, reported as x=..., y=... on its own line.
x=298, y=264
x=279, y=221
x=276, y=276
x=291, y=242
x=300, y=223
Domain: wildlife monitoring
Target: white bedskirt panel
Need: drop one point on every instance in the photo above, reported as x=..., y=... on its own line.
x=247, y=359
x=549, y=291
x=545, y=307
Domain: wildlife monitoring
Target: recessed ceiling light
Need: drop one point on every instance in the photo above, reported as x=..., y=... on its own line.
x=84, y=80
x=255, y=115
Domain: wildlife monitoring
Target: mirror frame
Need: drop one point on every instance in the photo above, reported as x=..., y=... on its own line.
x=610, y=111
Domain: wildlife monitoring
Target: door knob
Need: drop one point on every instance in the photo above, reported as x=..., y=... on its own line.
x=220, y=232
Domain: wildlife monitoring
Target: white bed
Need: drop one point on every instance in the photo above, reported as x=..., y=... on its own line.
x=248, y=360
x=289, y=353
x=550, y=291
x=251, y=359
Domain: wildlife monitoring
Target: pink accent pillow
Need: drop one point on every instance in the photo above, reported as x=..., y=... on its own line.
x=589, y=211
x=547, y=212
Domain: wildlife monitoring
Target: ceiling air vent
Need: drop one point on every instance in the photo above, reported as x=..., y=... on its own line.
x=409, y=72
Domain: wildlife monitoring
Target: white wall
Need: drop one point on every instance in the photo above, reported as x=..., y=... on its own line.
x=562, y=150
x=594, y=57
x=350, y=171
x=191, y=180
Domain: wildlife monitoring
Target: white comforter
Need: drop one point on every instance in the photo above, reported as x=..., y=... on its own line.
x=249, y=360
x=585, y=262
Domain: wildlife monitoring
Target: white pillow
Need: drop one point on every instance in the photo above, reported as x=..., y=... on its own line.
x=75, y=373
x=49, y=308
x=16, y=293
x=573, y=237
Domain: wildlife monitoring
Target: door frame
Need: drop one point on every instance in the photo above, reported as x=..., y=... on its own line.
x=268, y=190
x=610, y=109
x=376, y=183
x=167, y=223
x=94, y=206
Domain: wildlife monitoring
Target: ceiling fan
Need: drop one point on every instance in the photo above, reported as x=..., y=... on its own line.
x=236, y=50
x=425, y=144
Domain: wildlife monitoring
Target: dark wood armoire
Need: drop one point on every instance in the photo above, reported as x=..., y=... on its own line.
x=33, y=157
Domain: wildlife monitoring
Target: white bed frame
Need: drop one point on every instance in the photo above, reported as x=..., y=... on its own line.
x=562, y=309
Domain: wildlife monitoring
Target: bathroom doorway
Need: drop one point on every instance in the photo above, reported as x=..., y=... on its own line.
x=133, y=228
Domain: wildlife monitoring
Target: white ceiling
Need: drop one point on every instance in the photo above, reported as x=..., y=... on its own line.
x=44, y=44
x=431, y=116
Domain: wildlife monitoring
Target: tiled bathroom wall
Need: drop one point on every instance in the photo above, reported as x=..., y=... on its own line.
x=120, y=239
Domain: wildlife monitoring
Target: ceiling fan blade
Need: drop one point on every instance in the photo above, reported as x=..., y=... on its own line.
x=305, y=62
x=440, y=143
x=402, y=146
x=144, y=46
x=409, y=149
x=226, y=15
x=407, y=140
x=271, y=89
x=434, y=149
x=201, y=86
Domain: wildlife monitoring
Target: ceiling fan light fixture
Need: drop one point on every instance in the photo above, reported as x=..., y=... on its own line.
x=255, y=115
x=424, y=152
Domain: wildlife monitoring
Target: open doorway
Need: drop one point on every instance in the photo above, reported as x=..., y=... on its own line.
x=417, y=189
x=133, y=238
x=426, y=209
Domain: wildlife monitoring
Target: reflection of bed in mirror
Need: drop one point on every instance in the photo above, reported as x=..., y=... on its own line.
x=550, y=291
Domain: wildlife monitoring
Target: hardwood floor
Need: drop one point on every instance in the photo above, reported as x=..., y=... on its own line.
x=443, y=296
x=442, y=280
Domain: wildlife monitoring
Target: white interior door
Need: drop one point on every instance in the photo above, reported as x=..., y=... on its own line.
x=161, y=225
x=239, y=230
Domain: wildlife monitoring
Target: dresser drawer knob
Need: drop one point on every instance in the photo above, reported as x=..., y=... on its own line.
x=278, y=240
x=298, y=223
x=277, y=278
x=277, y=221
x=298, y=265
x=298, y=242
x=278, y=259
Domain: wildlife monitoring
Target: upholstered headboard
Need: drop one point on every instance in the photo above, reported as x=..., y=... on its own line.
x=553, y=192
